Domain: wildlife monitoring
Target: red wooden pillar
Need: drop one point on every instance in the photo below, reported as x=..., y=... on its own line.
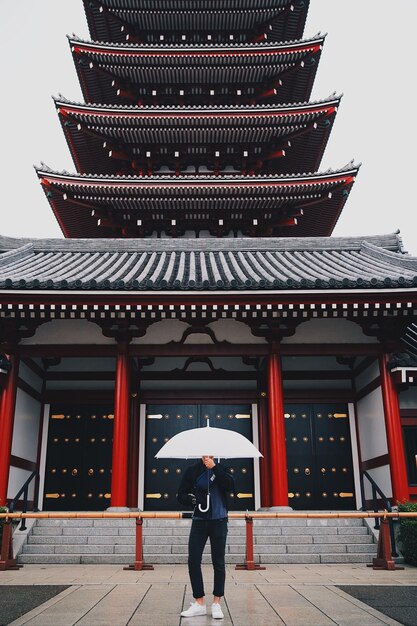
x=7, y=410
x=395, y=441
x=264, y=468
x=121, y=428
x=277, y=447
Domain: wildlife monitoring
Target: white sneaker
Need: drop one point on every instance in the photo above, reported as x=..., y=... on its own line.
x=216, y=611
x=194, y=610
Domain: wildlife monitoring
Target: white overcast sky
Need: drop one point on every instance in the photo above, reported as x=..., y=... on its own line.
x=369, y=56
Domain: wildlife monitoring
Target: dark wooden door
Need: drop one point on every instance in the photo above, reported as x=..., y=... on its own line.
x=162, y=476
x=78, y=464
x=319, y=457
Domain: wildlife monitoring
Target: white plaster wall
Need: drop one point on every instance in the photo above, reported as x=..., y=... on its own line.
x=367, y=376
x=173, y=330
x=67, y=332
x=382, y=477
x=329, y=330
x=163, y=332
x=371, y=425
x=17, y=478
x=26, y=427
x=234, y=332
x=408, y=398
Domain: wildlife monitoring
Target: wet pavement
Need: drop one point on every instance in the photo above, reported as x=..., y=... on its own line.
x=289, y=595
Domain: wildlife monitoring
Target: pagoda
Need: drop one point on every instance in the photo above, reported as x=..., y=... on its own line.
x=197, y=278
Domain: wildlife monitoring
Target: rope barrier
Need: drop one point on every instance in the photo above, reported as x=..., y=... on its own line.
x=181, y=515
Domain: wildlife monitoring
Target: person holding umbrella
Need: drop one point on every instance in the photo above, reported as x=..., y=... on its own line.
x=205, y=486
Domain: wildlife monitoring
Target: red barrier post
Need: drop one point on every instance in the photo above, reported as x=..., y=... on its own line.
x=383, y=559
x=249, y=563
x=6, y=557
x=139, y=563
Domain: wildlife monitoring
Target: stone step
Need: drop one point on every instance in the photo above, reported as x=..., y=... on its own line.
x=312, y=540
x=231, y=559
x=183, y=549
x=177, y=523
x=183, y=539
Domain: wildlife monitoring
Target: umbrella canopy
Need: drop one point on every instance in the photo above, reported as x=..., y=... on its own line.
x=218, y=442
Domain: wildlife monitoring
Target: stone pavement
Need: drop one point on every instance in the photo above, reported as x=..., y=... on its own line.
x=280, y=595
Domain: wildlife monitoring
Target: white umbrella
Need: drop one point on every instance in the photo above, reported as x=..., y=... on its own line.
x=218, y=442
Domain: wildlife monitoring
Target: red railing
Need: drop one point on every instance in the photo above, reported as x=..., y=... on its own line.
x=383, y=560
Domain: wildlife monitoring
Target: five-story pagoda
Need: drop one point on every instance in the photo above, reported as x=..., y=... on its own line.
x=198, y=248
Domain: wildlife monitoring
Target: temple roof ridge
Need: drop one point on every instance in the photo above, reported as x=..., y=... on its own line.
x=206, y=47
x=407, y=261
x=162, y=4
x=156, y=179
x=390, y=243
x=15, y=254
x=333, y=98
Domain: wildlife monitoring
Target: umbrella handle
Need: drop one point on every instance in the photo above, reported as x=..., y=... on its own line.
x=207, y=505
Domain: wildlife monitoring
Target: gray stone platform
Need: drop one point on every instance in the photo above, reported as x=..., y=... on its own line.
x=165, y=541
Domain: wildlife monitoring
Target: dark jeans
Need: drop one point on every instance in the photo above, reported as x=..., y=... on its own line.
x=201, y=530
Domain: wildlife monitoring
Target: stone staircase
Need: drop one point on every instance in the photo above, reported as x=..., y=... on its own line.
x=165, y=541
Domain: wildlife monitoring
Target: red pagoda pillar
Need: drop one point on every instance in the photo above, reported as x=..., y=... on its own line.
x=7, y=411
x=395, y=441
x=277, y=447
x=121, y=428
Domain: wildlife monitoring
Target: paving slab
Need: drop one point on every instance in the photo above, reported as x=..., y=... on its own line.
x=16, y=601
x=280, y=595
x=394, y=601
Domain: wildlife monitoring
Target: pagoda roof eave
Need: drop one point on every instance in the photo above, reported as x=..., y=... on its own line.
x=317, y=41
x=191, y=111
x=44, y=172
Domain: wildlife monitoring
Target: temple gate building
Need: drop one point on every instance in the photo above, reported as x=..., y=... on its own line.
x=198, y=279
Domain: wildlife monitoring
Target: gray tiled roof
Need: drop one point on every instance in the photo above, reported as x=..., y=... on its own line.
x=83, y=202
x=206, y=264
x=196, y=17
x=107, y=71
x=201, y=135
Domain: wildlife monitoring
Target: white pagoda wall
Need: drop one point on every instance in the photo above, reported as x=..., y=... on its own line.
x=371, y=430
x=325, y=330
x=25, y=431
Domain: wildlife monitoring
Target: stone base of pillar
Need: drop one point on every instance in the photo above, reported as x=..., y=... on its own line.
x=275, y=509
x=120, y=509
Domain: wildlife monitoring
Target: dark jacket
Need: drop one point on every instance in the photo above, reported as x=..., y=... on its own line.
x=189, y=495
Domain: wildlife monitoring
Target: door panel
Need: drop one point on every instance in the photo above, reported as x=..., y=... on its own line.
x=162, y=476
x=78, y=464
x=300, y=455
x=319, y=456
x=335, y=481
